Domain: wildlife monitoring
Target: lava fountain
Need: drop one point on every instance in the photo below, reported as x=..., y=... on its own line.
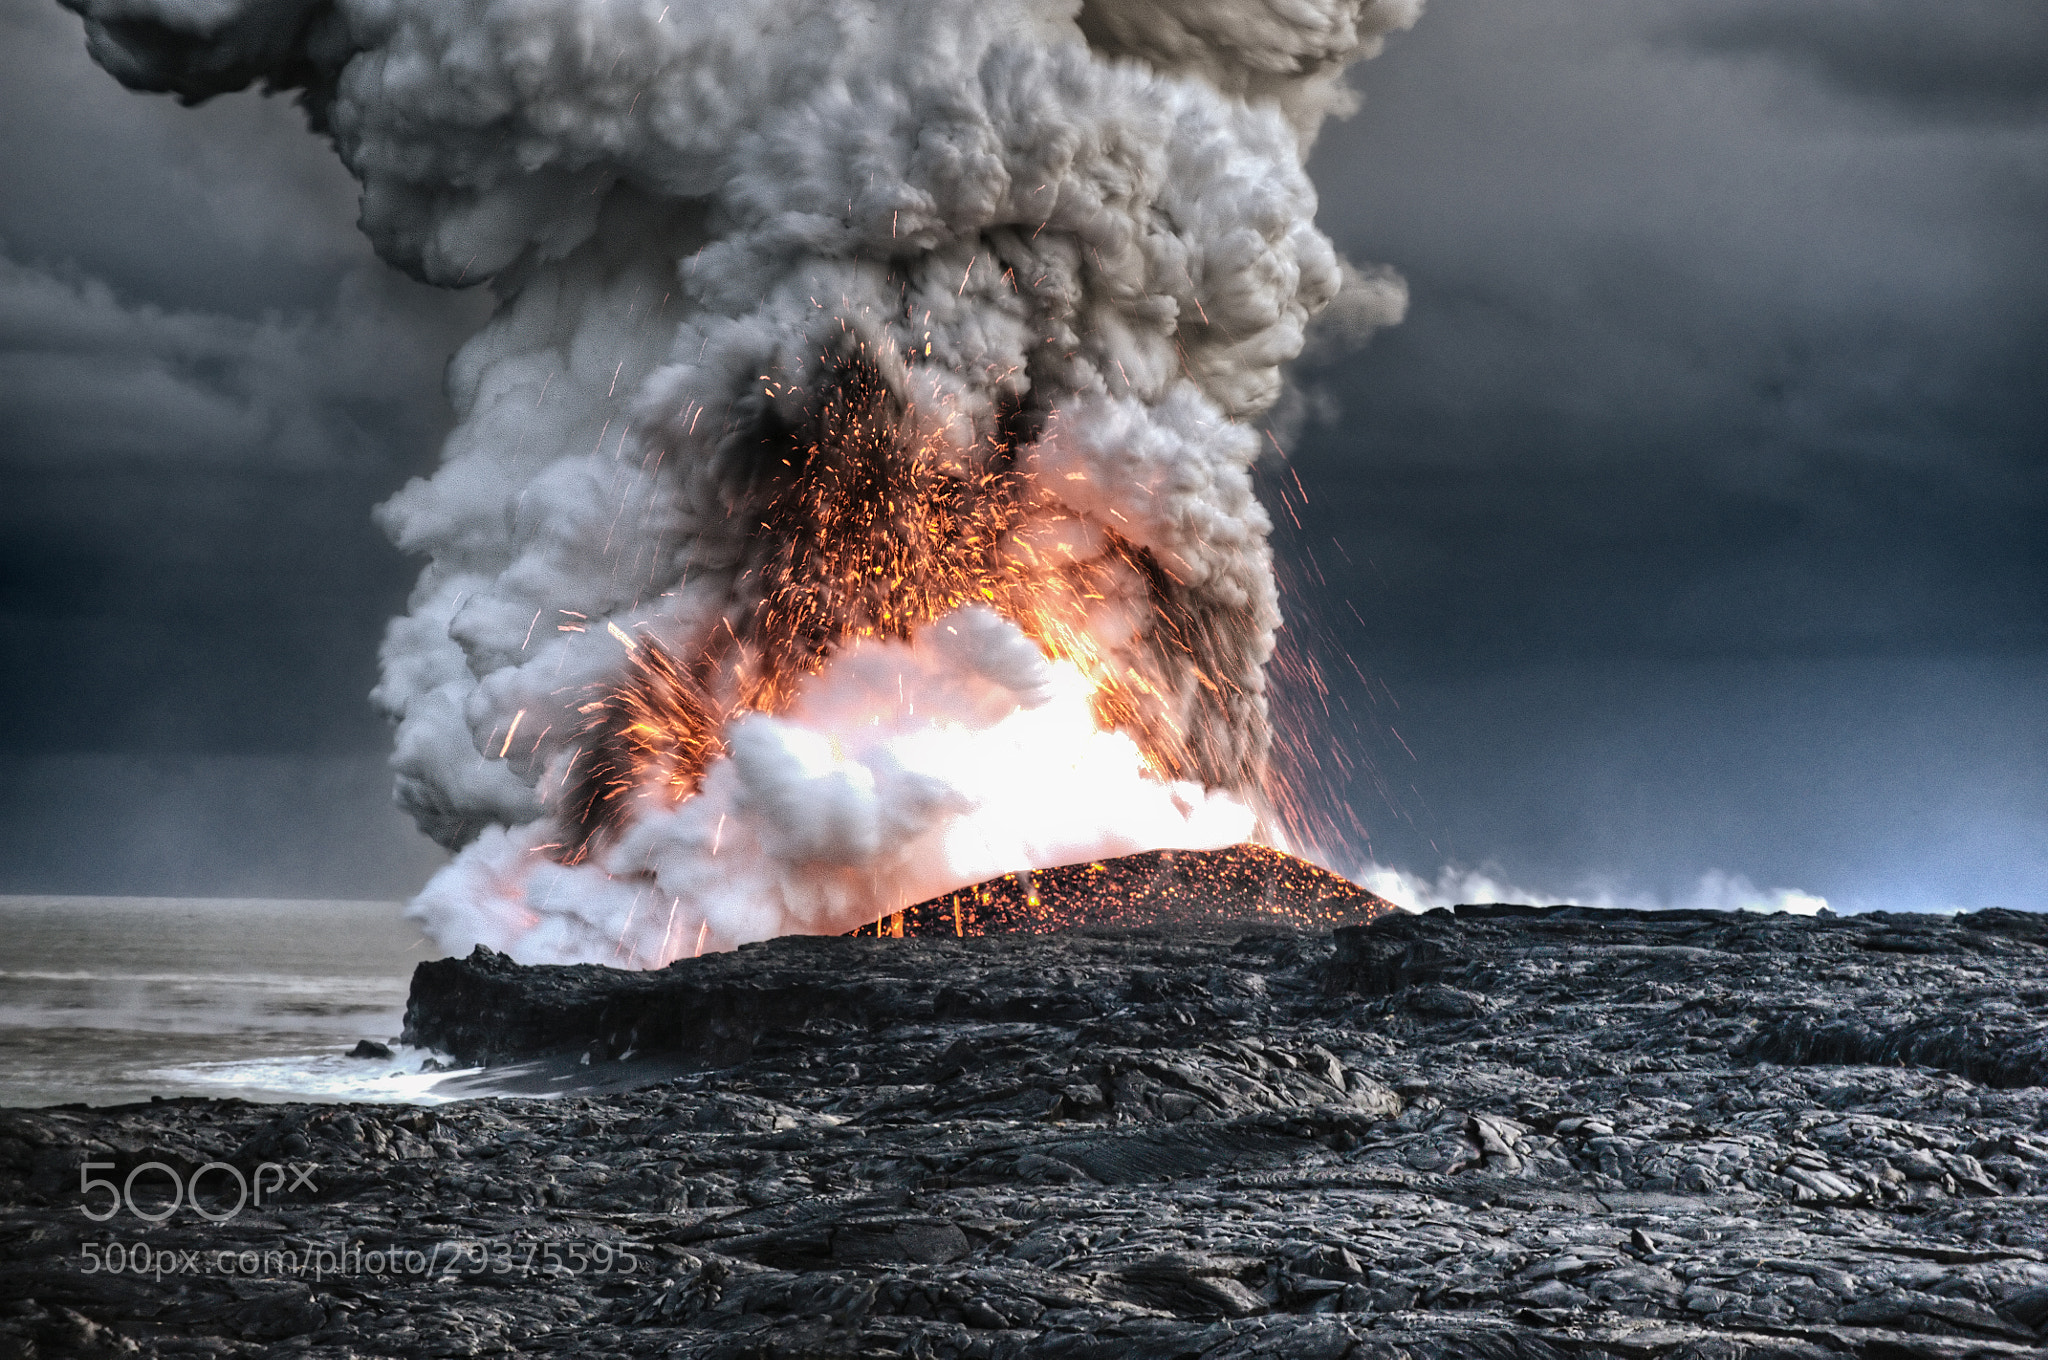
x=850, y=500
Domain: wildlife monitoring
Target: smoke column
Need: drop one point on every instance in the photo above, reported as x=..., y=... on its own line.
x=851, y=497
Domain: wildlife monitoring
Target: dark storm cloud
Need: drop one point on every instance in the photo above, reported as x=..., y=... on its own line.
x=193, y=566
x=1691, y=367
x=228, y=208
x=206, y=382
x=174, y=825
x=1877, y=782
x=194, y=609
x=184, y=287
x=1972, y=59
x=1694, y=514
x=87, y=377
x=1602, y=226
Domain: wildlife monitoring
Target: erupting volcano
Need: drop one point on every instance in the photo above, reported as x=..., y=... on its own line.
x=851, y=499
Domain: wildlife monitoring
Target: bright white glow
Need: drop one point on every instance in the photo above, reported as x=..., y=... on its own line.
x=903, y=771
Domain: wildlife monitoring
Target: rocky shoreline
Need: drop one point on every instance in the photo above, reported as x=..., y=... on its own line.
x=1500, y=1132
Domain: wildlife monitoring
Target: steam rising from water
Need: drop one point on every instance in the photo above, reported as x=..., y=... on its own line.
x=1075, y=243
x=1716, y=891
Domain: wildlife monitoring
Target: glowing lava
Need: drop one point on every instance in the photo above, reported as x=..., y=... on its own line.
x=1243, y=884
x=927, y=681
x=871, y=528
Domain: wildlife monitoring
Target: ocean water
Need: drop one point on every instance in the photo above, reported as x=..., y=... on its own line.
x=107, y=1000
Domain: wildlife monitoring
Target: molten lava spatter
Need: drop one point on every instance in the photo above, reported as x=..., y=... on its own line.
x=651, y=735
x=1242, y=883
x=870, y=525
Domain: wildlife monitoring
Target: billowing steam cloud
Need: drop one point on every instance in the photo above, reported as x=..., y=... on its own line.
x=851, y=498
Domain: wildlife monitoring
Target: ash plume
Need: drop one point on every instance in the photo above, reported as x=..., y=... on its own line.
x=851, y=497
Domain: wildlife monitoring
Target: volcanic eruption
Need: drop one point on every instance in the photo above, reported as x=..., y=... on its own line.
x=851, y=498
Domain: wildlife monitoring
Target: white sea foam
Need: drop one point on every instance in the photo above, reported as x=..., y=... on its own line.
x=120, y=999
x=410, y=1076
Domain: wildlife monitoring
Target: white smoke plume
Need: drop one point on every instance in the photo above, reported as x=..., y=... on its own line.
x=1068, y=244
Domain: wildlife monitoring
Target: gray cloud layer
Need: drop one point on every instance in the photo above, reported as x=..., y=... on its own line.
x=88, y=378
x=1696, y=363
x=206, y=381
x=1971, y=59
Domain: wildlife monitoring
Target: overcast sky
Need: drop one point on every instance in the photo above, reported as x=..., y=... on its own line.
x=1695, y=521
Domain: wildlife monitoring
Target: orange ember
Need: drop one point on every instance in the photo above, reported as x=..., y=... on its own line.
x=863, y=527
x=657, y=731
x=1242, y=884
x=873, y=531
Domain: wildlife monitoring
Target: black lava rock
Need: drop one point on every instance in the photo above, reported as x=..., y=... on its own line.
x=1500, y=1132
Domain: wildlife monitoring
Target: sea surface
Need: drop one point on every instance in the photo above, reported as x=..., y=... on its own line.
x=108, y=1000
